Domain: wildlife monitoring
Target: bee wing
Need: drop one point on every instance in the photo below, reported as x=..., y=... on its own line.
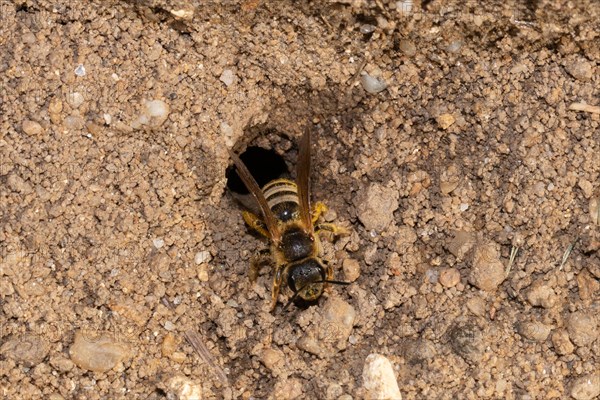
x=252, y=186
x=303, y=180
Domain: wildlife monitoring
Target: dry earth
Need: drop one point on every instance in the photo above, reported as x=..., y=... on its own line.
x=458, y=142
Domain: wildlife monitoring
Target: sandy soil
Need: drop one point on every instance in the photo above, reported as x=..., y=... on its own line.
x=447, y=140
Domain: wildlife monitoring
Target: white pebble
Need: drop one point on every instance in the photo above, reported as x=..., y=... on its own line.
x=227, y=77
x=367, y=28
x=107, y=119
x=464, y=207
x=75, y=99
x=379, y=379
x=372, y=84
x=158, y=243
x=202, y=257
x=169, y=325
x=80, y=70
x=157, y=108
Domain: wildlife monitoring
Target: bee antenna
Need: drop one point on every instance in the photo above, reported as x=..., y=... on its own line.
x=293, y=298
x=336, y=282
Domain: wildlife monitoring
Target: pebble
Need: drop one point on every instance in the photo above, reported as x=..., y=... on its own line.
x=407, y=47
x=158, y=110
x=445, y=121
x=351, y=268
x=372, y=84
x=80, y=70
x=587, y=286
x=28, y=350
x=62, y=364
x=379, y=380
x=98, y=354
x=580, y=69
x=586, y=387
x=74, y=122
x=540, y=294
x=75, y=99
x=534, y=330
x=202, y=257
x=582, y=327
x=461, y=244
x=376, y=205
x=31, y=128
x=449, y=180
x=227, y=77
x=449, y=277
x=367, y=28
x=561, y=342
x=158, y=243
x=331, y=330
x=184, y=388
x=594, y=208
x=274, y=360
x=487, y=271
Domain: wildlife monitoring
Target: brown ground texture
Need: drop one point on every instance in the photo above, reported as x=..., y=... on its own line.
x=457, y=142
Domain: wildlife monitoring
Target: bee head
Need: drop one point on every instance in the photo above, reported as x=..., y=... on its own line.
x=306, y=278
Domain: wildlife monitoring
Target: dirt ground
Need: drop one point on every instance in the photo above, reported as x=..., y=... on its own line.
x=457, y=142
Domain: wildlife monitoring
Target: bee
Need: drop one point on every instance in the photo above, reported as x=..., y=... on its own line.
x=292, y=227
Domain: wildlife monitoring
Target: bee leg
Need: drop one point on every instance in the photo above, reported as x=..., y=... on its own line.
x=328, y=271
x=261, y=258
x=255, y=223
x=277, y=277
x=318, y=209
x=334, y=229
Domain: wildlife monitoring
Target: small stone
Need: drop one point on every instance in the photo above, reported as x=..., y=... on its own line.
x=587, y=285
x=184, y=388
x=74, y=122
x=461, y=244
x=203, y=272
x=534, y=330
x=487, y=271
x=365, y=29
x=376, y=205
x=158, y=243
x=62, y=364
x=288, y=388
x=31, y=128
x=582, y=327
x=351, y=268
x=561, y=342
x=580, y=69
x=202, y=257
x=274, y=360
x=154, y=114
x=75, y=99
x=407, y=47
x=178, y=357
x=97, y=354
x=227, y=77
x=54, y=110
x=372, y=84
x=587, y=187
x=28, y=350
x=476, y=305
x=586, y=387
x=594, y=208
x=169, y=345
x=449, y=179
x=379, y=380
x=80, y=70
x=331, y=329
x=541, y=294
x=449, y=277
x=445, y=121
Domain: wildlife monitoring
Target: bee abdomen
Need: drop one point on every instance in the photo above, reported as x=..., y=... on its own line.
x=282, y=197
